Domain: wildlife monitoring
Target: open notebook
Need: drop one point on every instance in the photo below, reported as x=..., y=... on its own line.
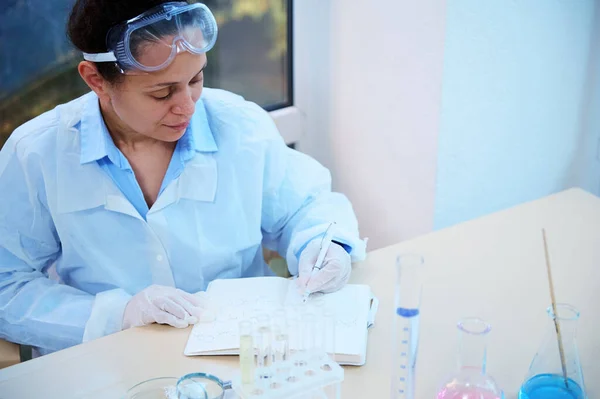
x=232, y=300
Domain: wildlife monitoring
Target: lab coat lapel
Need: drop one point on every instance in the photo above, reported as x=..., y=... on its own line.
x=82, y=187
x=197, y=182
x=115, y=201
x=85, y=186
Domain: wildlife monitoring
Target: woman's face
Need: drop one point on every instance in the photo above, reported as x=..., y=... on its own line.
x=159, y=105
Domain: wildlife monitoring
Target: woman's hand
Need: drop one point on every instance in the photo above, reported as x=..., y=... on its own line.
x=334, y=273
x=164, y=305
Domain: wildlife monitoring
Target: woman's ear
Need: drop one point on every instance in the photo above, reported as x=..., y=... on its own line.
x=90, y=75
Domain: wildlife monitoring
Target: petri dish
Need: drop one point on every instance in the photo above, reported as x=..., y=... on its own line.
x=154, y=388
x=201, y=386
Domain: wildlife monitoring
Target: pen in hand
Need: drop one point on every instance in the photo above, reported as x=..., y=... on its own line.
x=325, y=243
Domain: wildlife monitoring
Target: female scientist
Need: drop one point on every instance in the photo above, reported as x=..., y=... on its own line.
x=119, y=205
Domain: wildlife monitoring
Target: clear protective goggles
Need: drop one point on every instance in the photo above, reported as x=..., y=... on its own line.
x=150, y=41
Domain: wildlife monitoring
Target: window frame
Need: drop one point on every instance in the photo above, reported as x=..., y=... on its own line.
x=289, y=117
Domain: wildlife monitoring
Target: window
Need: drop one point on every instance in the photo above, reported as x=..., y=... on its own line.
x=252, y=57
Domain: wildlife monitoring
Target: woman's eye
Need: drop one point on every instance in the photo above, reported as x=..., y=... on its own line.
x=163, y=97
x=198, y=78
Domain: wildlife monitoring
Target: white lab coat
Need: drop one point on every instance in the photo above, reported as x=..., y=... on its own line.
x=243, y=189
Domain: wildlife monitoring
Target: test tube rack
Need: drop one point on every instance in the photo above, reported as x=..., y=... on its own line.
x=320, y=378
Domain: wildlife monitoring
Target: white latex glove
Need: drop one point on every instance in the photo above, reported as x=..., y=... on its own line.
x=163, y=305
x=334, y=273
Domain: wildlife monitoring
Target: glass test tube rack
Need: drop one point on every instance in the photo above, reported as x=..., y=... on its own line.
x=320, y=378
x=293, y=351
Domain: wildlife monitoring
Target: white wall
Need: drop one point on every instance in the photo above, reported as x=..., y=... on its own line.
x=585, y=168
x=374, y=115
x=518, y=114
x=517, y=87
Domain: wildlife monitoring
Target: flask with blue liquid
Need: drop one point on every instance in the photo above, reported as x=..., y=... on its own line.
x=555, y=372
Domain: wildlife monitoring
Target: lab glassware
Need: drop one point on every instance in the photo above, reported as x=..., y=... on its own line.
x=307, y=373
x=405, y=326
x=546, y=377
x=247, y=352
x=264, y=348
x=471, y=380
x=155, y=388
x=309, y=338
x=323, y=383
x=202, y=386
x=281, y=345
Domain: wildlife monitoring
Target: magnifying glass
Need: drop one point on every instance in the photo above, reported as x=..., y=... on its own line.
x=201, y=386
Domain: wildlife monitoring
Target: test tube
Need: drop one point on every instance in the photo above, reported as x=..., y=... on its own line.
x=299, y=341
x=295, y=340
x=281, y=345
x=281, y=349
x=246, y=352
x=318, y=352
x=264, y=350
x=308, y=322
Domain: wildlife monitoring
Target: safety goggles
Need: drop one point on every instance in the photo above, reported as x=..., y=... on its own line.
x=150, y=41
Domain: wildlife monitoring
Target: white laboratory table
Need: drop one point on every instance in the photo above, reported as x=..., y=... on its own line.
x=492, y=267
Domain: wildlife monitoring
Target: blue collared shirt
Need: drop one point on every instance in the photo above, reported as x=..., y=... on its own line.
x=97, y=145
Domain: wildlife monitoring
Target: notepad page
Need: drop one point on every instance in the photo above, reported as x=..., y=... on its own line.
x=231, y=301
x=238, y=299
x=351, y=308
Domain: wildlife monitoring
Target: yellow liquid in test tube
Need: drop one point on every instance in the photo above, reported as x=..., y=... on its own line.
x=247, y=359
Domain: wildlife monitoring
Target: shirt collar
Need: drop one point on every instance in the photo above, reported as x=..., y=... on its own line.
x=202, y=136
x=96, y=142
x=95, y=138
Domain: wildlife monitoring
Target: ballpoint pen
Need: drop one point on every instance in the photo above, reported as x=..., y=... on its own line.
x=325, y=243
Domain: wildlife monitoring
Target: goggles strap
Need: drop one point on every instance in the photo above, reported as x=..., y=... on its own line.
x=100, y=57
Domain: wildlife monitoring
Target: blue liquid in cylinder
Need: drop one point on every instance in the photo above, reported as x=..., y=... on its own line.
x=407, y=333
x=407, y=312
x=550, y=386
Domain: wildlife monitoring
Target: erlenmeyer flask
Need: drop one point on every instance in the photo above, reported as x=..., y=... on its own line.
x=471, y=381
x=545, y=378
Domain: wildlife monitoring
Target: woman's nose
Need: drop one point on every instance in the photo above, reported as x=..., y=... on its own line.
x=185, y=106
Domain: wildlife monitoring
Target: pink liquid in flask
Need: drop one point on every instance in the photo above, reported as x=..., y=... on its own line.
x=466, y=393
x=470, y=380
